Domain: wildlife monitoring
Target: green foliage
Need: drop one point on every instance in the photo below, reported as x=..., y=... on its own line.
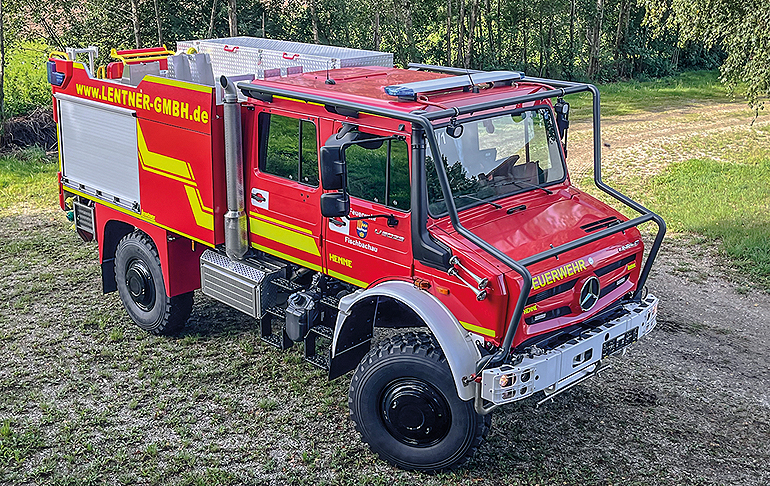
x=723, y=200
x=628, y=97
x=25, y=84
x=741, y=28
x=27, y=178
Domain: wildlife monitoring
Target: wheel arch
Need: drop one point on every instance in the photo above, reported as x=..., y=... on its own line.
x=356, y=321
x=179, y=256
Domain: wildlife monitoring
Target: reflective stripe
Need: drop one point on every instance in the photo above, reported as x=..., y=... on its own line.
x=347, y=279
x=282, y=223
x=204, y=217
x=478, y=329
x=285, y=236
x=142, y=217
x=152, y=160
x=177, y=84
x=290, y=258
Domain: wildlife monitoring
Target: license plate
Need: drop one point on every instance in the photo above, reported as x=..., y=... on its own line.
x=616, y=344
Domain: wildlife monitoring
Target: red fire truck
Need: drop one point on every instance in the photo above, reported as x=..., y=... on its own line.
x=325, y=193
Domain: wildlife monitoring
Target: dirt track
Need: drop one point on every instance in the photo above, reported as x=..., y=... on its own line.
x=90, y=399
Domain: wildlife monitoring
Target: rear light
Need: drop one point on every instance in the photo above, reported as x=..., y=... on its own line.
x=54, y=77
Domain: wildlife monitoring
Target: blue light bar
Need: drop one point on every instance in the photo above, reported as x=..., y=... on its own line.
x=443, y=84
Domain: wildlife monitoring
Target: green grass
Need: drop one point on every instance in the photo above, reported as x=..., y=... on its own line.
x=629, y=97
x=27, y=178
x=722, y=200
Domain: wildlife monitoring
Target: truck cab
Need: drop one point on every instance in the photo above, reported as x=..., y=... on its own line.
x=328, y=203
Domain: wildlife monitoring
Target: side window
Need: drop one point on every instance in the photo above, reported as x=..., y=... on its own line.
x=289, y=148
x=380, y=174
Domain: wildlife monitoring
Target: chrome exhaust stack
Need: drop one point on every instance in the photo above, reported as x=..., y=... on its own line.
x=236, y=241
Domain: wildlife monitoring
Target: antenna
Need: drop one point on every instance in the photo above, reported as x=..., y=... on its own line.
x=328, y=79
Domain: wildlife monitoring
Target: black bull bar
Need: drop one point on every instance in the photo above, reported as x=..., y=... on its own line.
x=423, y=121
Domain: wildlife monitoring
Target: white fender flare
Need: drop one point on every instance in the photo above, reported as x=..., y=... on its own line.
x=456, y=342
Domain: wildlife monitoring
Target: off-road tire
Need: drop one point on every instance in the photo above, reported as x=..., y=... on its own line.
x=413, y=363
x=140, y=285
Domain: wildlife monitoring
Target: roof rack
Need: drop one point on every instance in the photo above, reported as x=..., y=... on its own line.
x=467, y=79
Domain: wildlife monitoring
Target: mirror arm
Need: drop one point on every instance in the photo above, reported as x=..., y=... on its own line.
x=392, y=220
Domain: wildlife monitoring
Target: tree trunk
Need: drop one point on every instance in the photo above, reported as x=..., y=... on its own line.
x=409, y=32
x=571, y=40
x=471, y=34
x=2, y=67
x=595, y=41
x=461, y=33
x=211, y=22
x=157, y=21
x=524, y=34
x=135, y=20
x=490, y=39
x=232, y=18
x=619, y=38
x=314, y=24
x=376, y=29
x=449, y=32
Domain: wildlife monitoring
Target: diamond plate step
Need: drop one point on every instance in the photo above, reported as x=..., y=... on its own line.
x=318, y=361
x=286, y=285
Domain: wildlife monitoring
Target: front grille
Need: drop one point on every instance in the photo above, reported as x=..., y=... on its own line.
x=612, y=286
x=614, y=265
x=551, y=314
x=551, y=292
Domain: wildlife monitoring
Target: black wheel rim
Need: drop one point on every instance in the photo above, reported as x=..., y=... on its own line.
x=415, y=413
x=140, y=284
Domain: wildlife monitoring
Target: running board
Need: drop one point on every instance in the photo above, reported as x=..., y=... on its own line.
x=240, y=284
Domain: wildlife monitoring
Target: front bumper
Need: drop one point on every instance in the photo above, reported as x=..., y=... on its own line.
x=560, y=367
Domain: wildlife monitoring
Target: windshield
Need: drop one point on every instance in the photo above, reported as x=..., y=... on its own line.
x=495, y=157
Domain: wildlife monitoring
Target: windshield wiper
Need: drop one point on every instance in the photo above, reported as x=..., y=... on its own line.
x=524, y=184
x=495, y=205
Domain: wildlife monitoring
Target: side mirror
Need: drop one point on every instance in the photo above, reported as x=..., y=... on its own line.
x=335, y=204
x=333, y=168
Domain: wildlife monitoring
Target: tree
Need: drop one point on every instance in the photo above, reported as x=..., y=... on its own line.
x=232, y=18
x=2, y=65
x=741, y=27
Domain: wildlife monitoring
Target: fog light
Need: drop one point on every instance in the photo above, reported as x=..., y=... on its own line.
x=507, y=380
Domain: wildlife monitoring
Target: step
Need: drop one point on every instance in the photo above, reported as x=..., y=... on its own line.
x=330, y=301
x=323, y=331
x=286, y=285
x=278, y=312
x=318, y=361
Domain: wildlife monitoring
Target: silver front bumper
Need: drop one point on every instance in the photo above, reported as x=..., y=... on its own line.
x=558, y=368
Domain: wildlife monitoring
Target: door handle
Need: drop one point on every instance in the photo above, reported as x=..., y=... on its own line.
x=258, y=197
x=337, y=222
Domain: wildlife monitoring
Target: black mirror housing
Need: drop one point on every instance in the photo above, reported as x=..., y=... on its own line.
x=335, y=204
x=333, y=168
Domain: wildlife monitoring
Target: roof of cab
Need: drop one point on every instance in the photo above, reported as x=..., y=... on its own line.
x=366, y=85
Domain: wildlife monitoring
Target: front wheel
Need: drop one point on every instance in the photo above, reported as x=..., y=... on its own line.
x=140, y=285
x=404, y=403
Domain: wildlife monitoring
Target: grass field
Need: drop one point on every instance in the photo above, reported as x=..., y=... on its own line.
x=629, y=97
x=87, y=398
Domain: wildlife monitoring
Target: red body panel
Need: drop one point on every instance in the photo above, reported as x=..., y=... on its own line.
x=179, y=257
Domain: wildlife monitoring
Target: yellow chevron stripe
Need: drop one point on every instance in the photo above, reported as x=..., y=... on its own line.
x=478, y=329
x=285, y=236
x=144, y=217
x=347, y=279
x=204, y=217
x=282, y=223
x=177, y=84
x=170, y=165
x=290, y=258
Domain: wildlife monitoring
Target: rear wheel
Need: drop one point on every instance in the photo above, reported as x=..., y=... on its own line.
x=404, y=403
x=140, y=285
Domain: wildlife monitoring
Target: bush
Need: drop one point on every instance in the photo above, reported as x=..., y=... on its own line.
x=26, y=86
